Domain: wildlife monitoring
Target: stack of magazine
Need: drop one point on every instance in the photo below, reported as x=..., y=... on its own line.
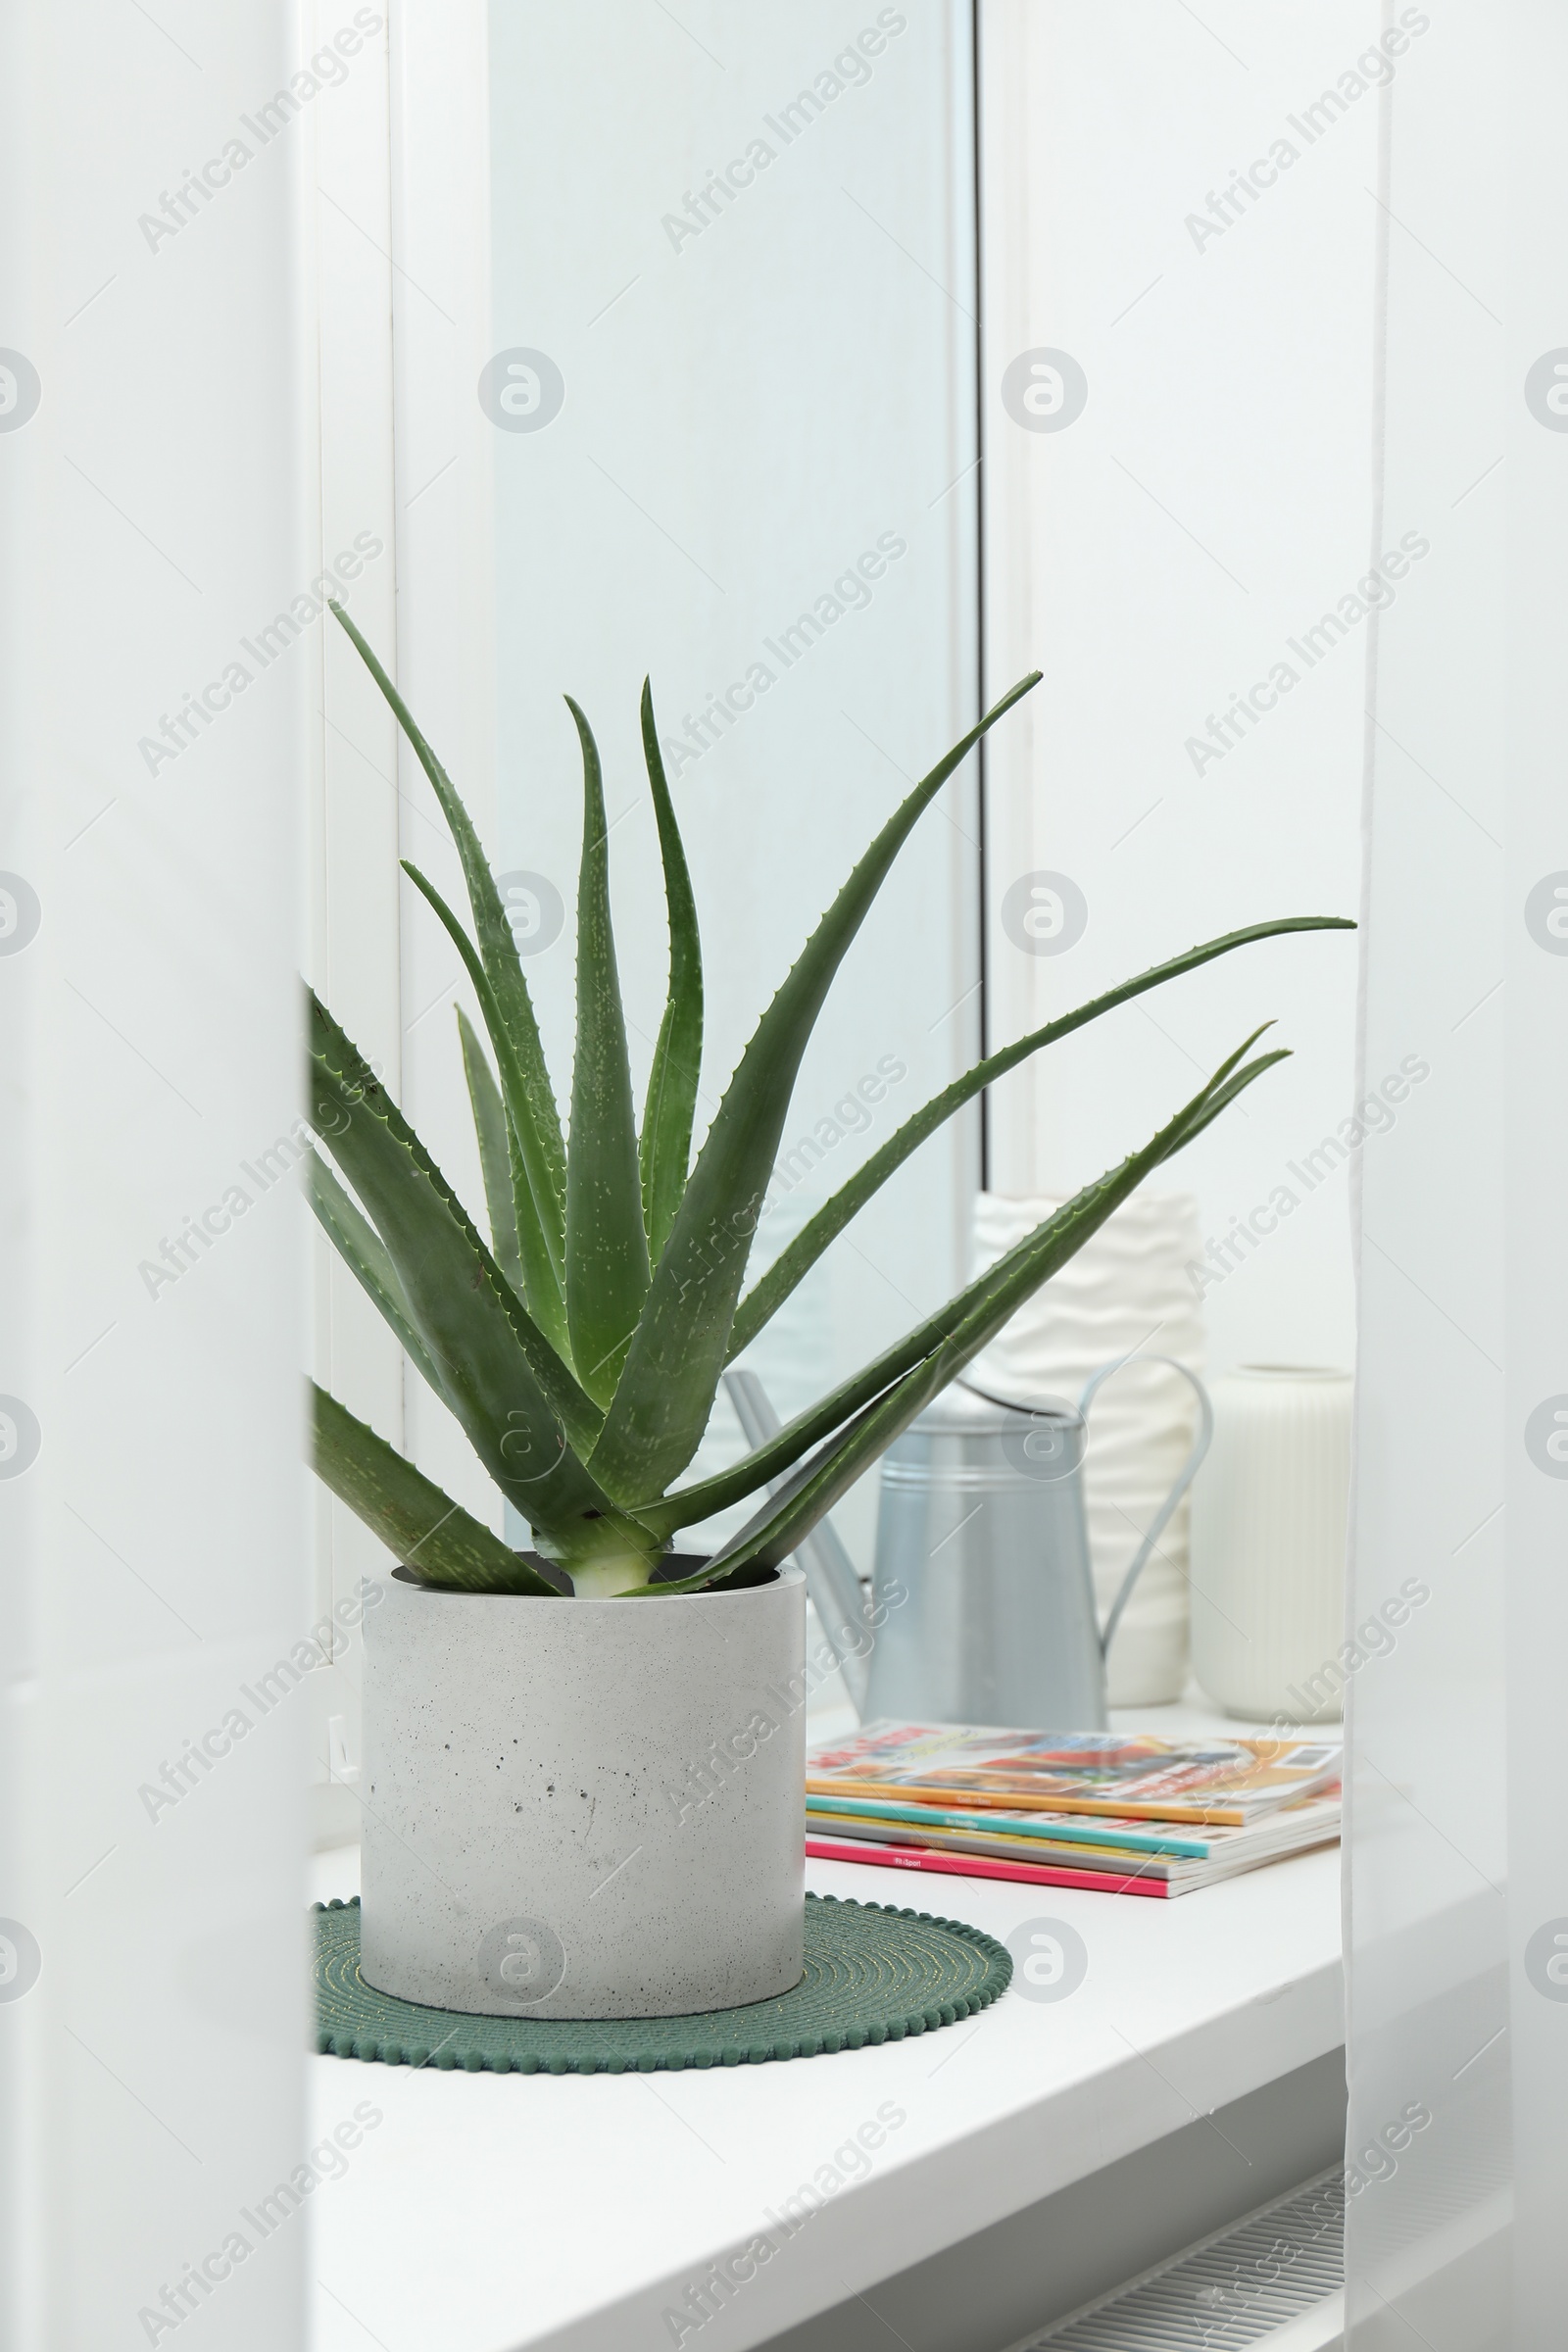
x=1116, y=1813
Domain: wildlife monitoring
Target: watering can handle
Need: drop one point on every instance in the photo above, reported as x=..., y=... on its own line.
x=1185, y=1477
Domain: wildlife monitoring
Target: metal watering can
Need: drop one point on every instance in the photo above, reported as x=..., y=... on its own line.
x=987, y=1602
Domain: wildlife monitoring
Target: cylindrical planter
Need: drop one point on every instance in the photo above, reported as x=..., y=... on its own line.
x=1269, y=1543
x=584, y=1808
x=1127, y=1288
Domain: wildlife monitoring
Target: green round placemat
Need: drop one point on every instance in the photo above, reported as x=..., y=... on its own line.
x=873, y=1974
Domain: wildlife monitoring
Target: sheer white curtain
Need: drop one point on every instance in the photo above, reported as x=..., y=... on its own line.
x=152, y=1557
x=1454, y=1857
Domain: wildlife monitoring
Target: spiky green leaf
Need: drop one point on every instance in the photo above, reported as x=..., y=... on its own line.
x=423, y=1529
x=664, y=1147
x=544, y=1153
x=801, y=1254
x=496, y=1154
x=855, y=1395
x=541, y=1276
x=606, y=1241
x=518, y=1405
x=798, y=1501
x=360, y=1249
x=662, y=1405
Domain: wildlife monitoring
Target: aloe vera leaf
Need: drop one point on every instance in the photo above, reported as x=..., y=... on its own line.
x=797, y=1257
x=665, y=1143
x=660, y=1407
x=423, y=1529
x=496, y=1154
x=606, y=1241
x=817, y=1485
x=517, y=1404
x=853, y=1396
x=539, y=1119
x=362, y=1251
x=541, y=1275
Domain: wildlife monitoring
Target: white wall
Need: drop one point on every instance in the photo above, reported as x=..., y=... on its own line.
x=152, y=1519
x=1155, y=557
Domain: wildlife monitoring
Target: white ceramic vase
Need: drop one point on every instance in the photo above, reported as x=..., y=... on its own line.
x=1127, y=1288
x=584, y=1808
x=1269, y=1512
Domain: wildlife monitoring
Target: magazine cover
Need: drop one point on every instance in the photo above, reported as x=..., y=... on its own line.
x=1134, y=1775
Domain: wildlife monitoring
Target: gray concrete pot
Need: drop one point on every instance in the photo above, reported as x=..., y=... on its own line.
x=584, y=1808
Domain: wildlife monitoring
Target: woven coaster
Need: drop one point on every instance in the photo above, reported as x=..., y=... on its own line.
x=873, y=1974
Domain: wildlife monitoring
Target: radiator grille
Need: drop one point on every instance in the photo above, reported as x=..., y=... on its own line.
x=1234, y=2289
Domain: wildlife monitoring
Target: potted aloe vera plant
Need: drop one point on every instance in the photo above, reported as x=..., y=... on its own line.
x=583, y=1763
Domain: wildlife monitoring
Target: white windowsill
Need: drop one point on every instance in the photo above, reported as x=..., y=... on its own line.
x=486, y=2213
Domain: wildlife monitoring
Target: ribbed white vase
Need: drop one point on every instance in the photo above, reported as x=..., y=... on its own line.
x=1269, y=1514
x=1126, y=1288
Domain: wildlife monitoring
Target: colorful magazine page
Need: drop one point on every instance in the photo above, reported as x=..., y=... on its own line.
x=1133, y=1775
x=1138, y=1836
x=1041, y=1851
x=981, y=1865
x=1221, y=1853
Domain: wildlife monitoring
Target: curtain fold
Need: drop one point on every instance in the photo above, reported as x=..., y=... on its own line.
x=156, y=672
x=1456, y=1867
